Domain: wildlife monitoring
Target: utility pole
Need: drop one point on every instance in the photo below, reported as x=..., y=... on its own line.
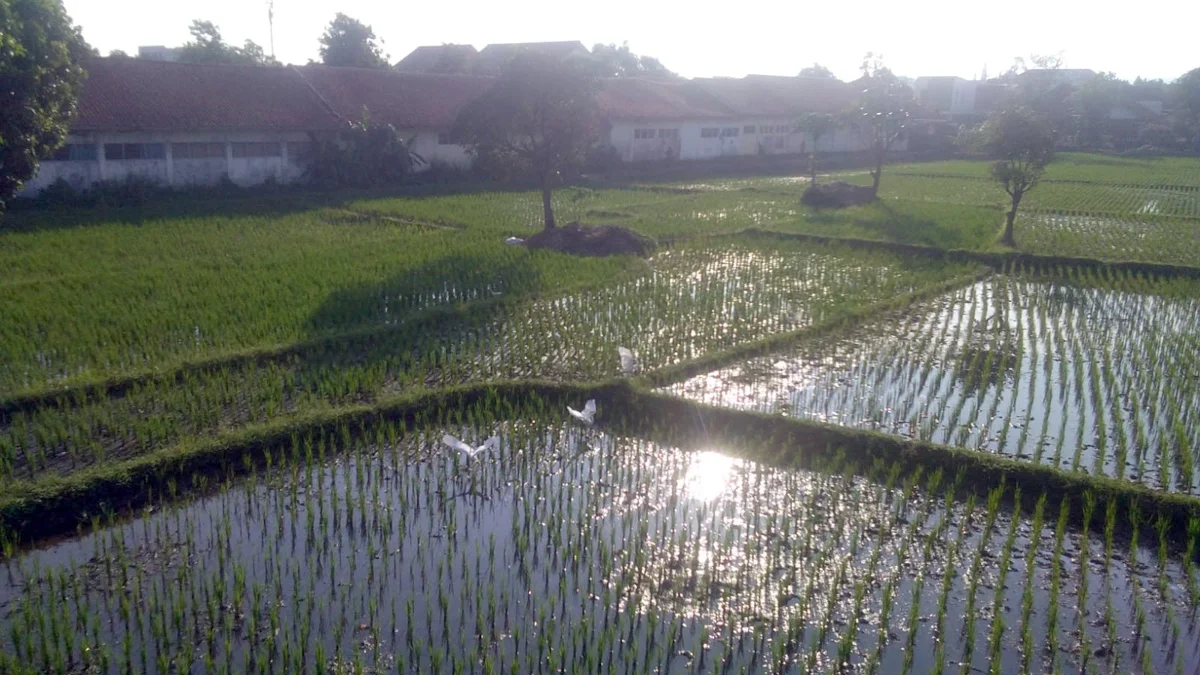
x=271, y=23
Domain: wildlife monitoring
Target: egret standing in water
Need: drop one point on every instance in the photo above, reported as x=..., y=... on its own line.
x=629, y=362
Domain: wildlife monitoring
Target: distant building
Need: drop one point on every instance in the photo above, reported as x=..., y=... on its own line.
x=1070, y=76
x=158, y=53
x=183, y=124
x=492, y=58
x=443, y=59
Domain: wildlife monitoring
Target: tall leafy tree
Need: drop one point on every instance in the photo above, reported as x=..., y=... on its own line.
x=881, y=113
x=1022, y=145
x=1186, y=97
x=208, y=46
x=41, y=74
x=1092, y=104
x=349, y=42
x=619, y=61
x=538, y=119
x=817, y=70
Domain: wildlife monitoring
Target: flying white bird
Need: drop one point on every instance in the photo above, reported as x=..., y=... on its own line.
x=629, y=362
x=587, y=415
x=467, y=452
x=514, y=241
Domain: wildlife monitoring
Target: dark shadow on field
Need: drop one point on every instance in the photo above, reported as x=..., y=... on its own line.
x=446, y=281
x=32, y=215
x=393, y=331
x=880, y=221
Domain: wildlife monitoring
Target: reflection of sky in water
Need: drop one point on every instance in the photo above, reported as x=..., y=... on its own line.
x=1084, y=378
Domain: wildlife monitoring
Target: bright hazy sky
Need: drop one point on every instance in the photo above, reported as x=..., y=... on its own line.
x=926, y=37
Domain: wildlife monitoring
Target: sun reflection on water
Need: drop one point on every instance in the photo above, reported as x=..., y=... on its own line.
x=708, y=474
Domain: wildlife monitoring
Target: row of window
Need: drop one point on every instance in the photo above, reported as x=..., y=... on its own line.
x=80, y=152
x=718, y=132
x=73, y=152
x=646, y=134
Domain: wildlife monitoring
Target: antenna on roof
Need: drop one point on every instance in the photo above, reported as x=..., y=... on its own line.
x=271, y=24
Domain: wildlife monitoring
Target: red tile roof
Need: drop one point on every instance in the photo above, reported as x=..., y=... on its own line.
x=645, y=99
x=138, y=95
x=431, y=58
x=129, y=94
x=404, y=100
x=777, y=96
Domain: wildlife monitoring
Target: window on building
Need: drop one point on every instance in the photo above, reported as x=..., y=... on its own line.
x=257, y=149
x=119, y=151
x=643, y=134
x=299, y=152
x=729, y=132
x=668, y=133
x=74, y=152
x=198, y=151
x=748, y=129
x=710, y=132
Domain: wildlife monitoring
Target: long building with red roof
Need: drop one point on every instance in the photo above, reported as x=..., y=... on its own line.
x=190, y=124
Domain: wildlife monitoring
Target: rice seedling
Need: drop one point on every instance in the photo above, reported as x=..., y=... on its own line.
x=699, y=298
x=1103, y=359
x=365, y=552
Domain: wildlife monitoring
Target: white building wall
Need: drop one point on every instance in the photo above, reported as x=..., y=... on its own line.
x=963, y=99
x=426, y=144
x=771, y=136
x=172, y=171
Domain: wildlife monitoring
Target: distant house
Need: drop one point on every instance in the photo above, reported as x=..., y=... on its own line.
x=441, y=59
x=493, y=57
x=187, y=124
x=183, y=124
x=1069, y=76
x=766, y=109
x=158, y=53
x=654, y=120
x=722, y=117
x=422, y=106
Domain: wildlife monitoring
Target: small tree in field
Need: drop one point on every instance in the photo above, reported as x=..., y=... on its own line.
x=1022, y=145
x=881, y=113
x=538, y=119
x=816, y=125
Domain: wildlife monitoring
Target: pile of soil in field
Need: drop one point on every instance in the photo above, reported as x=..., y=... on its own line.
x=592, y=240
x=836, y=195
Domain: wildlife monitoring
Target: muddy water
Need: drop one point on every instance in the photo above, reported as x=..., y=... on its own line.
x=577, y=547
x=1082, y=378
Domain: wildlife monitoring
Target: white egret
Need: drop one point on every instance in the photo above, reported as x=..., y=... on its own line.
x=467, y=452
x=587, y=415
x=629, y=362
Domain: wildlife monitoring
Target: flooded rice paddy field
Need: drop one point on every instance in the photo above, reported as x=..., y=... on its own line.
x=569, y=549
x=1095, y=374
x=1132, y=237
x=689, y=301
